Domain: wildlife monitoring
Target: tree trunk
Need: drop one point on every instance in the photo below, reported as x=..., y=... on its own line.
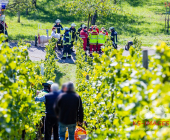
x=91, y=20
x=18, y=16
x=88, y=22
x=94, y=18
x=27, y=11
x=34, y=2
x=23, y=135
x=115, y=1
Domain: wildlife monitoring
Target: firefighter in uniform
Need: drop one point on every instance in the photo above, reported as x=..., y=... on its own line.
x=113, y=37
x=93, y=36
x=59, y=27
x=73, y=35
x=101, y=40
x=67, y=44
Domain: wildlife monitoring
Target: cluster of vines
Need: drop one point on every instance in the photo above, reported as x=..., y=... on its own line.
x=121, y=99
x=19, y=80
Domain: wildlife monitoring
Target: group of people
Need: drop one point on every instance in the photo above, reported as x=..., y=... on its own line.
x=63, y=110
x=92, y=37
x=68, y=38
x=96, y=39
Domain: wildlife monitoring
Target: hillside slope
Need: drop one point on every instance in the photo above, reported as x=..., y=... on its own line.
x=146, y=21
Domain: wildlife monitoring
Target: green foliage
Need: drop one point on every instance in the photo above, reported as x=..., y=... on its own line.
x=119, y=89
x=18, y=5
x=145, y=21
x=18, y=110
x=19, y=80
x=50, y=64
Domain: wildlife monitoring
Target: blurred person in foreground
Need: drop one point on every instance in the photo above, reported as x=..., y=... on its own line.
x=63, y=88
x=69, y=110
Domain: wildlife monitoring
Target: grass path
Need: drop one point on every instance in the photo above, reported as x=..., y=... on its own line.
x=67, y=73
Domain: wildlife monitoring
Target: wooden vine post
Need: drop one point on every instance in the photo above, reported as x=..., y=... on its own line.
x=145, y=59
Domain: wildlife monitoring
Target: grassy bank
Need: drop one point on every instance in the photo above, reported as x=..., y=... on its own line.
x=146, y=21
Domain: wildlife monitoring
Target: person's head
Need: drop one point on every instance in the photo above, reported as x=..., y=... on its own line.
x=73, y=25
x=70, y=87
x=90, y=28
x=54, y=29
x=47, y=87
x=57, y=21
x=85, y=28
x=111, y=29
x=64, y=87
x=102, y=29
x=95, y=26
x=66, y=29
x=50, y=82
x=54, y=87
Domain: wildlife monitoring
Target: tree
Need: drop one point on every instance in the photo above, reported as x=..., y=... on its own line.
x=16, y=6
x=89, y=8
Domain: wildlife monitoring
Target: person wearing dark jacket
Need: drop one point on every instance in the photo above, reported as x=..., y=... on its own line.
x=69, y=110
x=67, y=44
x=73, y=34
x=114, y=37
x=51, y=120
x=59, y=27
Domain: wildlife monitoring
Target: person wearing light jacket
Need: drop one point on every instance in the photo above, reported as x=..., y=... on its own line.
x=54, y=34
x=51, y=120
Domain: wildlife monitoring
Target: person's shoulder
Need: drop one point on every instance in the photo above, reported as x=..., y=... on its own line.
x=81, y=32
x=75, y=94
x=62, y=94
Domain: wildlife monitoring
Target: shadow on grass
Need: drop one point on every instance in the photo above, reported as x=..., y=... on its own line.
x=19, y=36
x=44, y=15
x=127, y=25
x=59, y=75
x=136, y=3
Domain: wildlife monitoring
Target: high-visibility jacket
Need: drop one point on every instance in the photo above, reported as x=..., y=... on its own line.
x=93, y=36
x=101, y=38
x=97, y=29
x=67, y=38
x=106, y=33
